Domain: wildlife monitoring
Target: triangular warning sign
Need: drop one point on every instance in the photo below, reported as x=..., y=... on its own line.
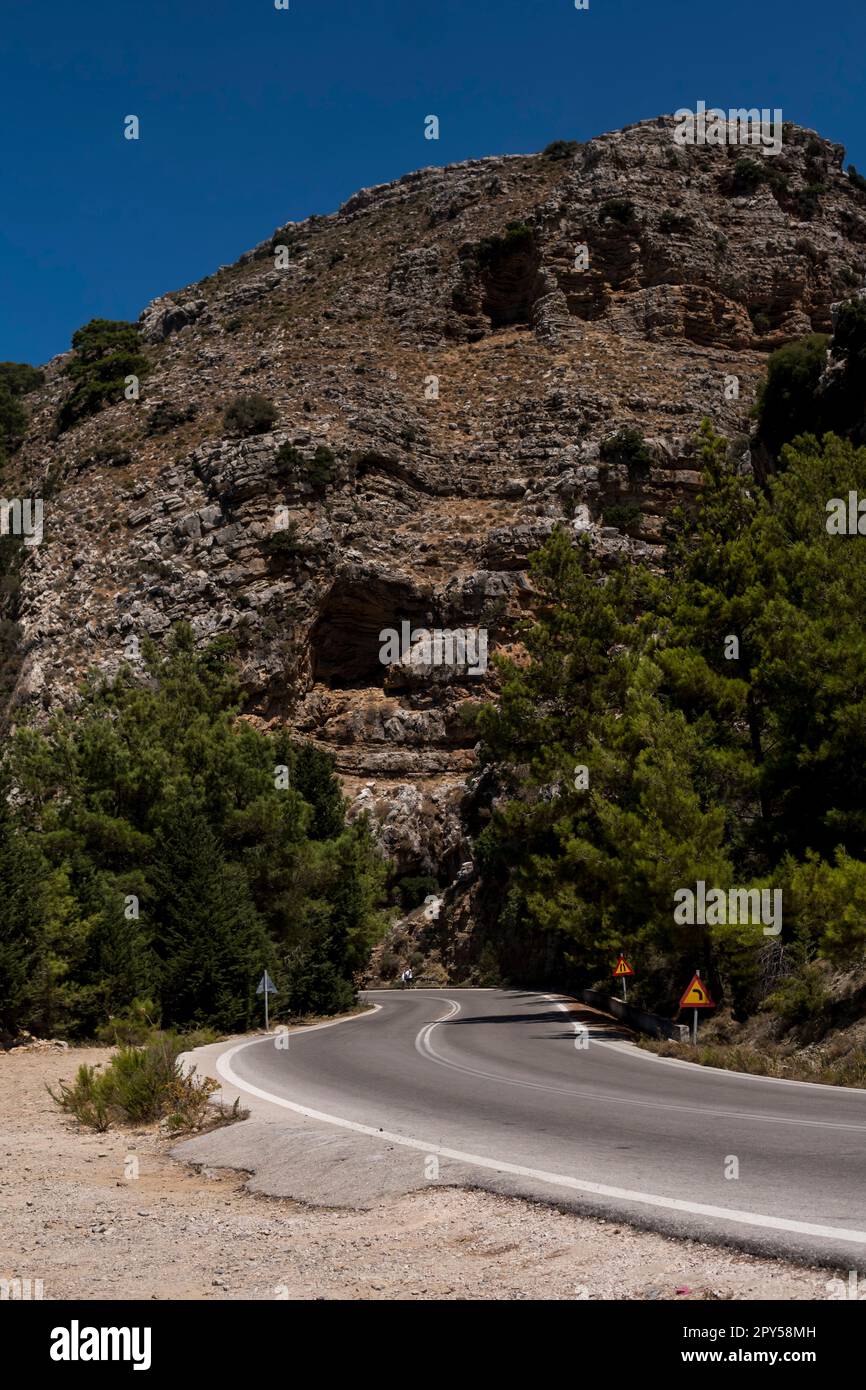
x=697, y=996
x=622, y=967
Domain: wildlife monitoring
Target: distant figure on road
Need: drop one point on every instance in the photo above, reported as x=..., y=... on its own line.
x=406, y=978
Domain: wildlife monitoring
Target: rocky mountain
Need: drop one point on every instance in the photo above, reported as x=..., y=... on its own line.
x=456, y=350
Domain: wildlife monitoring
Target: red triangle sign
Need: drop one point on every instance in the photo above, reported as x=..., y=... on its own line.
x=697, y=996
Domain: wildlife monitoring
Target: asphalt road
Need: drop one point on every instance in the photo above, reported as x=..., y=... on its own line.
x=502, y=1083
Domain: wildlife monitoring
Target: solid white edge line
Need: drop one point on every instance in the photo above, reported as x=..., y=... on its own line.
x=629, y=1049
x=623, y=1194
x=425, y=1047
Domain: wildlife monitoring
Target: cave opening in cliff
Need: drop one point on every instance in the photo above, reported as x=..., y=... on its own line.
x=510, y=267
x=345, y=643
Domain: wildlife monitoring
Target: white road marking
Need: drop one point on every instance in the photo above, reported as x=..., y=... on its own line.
x=629, y=1049
x=622, y=1194
x=425, y=1046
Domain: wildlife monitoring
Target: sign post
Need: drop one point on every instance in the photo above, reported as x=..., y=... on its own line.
x=266, y=986
x=697, y=996
x=620, y=970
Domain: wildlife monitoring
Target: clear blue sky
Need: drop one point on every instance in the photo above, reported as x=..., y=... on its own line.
x=251, y=116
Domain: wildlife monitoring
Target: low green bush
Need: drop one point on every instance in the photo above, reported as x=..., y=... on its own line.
x=166, y=416
x=493, y=249
x=628, y=447
x=799, y=998
x=318, y=471
x=625, y=516
x=560, y=149
x=388, y=965
x=857, y=179
x=86, y=1099
x=414, y=888
x=621, y=210
x=142, y=1085
x=284, y=541
x=253, y=414
x=808, y=200
x=748, y=175
x=675, y=222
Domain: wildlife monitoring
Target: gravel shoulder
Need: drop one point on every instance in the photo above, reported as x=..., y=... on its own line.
x=114, y=1216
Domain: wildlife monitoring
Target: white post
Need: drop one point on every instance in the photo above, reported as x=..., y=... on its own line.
x=267, y=1029
x=694, y=1027
x=624, y=995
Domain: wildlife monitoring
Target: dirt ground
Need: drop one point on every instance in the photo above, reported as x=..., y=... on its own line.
x=74, y=1214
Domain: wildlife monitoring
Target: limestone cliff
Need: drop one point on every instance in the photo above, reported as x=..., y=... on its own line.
x=463, y=358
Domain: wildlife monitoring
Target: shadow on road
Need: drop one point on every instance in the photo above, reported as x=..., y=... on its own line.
x=598, y=1025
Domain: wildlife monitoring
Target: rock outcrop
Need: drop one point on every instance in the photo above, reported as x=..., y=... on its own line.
x=462, y=341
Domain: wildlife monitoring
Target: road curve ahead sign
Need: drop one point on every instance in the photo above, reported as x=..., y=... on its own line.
x=697, y=996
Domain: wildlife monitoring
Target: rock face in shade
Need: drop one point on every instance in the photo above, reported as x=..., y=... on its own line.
x=464, y=376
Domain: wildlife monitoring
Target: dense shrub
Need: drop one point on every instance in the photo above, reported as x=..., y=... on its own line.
x=857, y=179
x=492, y=250
x=20, y=378
x=253, y=414
x=675, y=222
x=16, y=379
x=620, y=210
x=288, y=461
x=560, y=149
x=412, y=889
x=142, y=1085
x=389, y=964
x=808, y=200
x=800, y=997
x=625, y=516
x=107, y=351
x=628, y=447
x=748, y=175
x=786, y=400
x=167, y=416
x=13, y=422
x=284, y=541
x=800, y=396
x=318, y=471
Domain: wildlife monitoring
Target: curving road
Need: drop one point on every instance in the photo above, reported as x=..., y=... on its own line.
x=533, y=1094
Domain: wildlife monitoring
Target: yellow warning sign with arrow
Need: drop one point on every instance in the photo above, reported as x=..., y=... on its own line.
x=697, y=996
x=622, y=967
